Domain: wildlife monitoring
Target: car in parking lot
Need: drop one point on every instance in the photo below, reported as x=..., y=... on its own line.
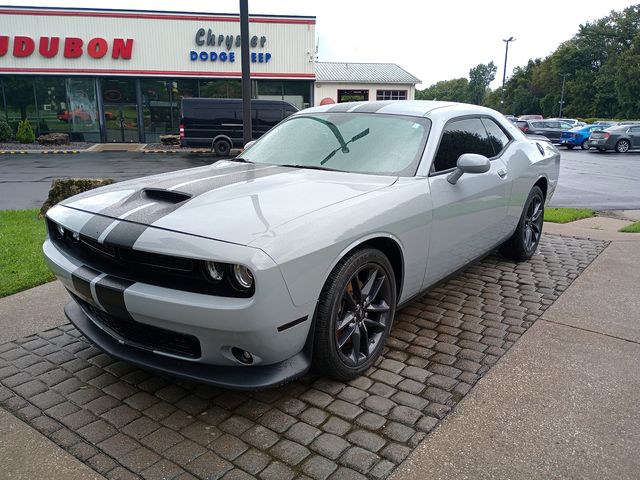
x=578, y=136
x=552, y=129
x=246, y=272
x=620, y=138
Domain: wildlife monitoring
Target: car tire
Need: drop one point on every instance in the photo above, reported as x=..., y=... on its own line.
x=524, y=241
x=222, y=148
x=600, y=149
x=350, y=327
x=569, y=147
x=623, y=146
x=585, y=145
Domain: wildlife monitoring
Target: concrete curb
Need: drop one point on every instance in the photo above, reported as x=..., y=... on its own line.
x=45, y=152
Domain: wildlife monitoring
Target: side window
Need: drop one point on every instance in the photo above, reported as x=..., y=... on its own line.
x=498, y=138
x=565, y=126
x=269, y=117
x=458, y=137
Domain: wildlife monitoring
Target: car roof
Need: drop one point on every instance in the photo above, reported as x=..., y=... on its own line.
x=415, y=108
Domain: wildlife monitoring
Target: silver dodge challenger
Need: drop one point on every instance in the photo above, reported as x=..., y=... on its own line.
x=248, y=272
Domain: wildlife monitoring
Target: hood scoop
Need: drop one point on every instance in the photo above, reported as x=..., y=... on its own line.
x=167, y=196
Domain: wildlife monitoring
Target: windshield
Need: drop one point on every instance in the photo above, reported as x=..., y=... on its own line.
x=349, y=142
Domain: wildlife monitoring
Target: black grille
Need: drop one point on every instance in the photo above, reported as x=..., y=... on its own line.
x=178, y=273
x=146, y=336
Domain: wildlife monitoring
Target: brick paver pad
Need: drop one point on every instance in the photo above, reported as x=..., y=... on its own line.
x=128, y=423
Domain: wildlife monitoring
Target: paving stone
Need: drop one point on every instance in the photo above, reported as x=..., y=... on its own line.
x=329, y=445
x=161, y=439
x=260, y=437
x=316, y=398
x=237, y=474
x=118, y=445
x=236, y=425
x=378, y=404
x=141, y=427
x=397, y=431
x=302, y=433
x=101, y=463
x=345, y=410
x=318, y=467
x=289, y=452
x=353, y=395
x=371, y=421
x=162, y=470
x=253, y=461
x=359, y=459
x=314, y=416
x=346, y=474
x=229, y=446
x=382, y=470
x=336, y=425
x=409, y=400
x=139, y=459
x=277, y=420
x=184, y=452
x=97, y=431
x=382, y=390
x=120, y=415
x=277, y=471
x=367, y=440
x=209, y=466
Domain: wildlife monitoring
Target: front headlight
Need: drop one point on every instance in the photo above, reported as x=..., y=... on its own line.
x=243, y=277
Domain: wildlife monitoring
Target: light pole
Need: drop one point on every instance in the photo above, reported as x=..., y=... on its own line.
x=246, y=77
x=504, y=72
x=561, y=102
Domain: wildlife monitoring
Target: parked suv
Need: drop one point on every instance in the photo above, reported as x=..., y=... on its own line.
x=217, y=123
x=552, y=129
x=620, y=138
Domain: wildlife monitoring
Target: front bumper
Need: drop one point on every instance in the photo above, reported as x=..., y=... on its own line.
x=240, y=377
x=267, y=325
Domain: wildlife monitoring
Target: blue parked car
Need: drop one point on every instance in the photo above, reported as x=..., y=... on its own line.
x=579, y=136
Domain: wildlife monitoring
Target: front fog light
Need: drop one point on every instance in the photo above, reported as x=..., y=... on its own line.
x=243, y=276
x=214, y=270
x=60, y=230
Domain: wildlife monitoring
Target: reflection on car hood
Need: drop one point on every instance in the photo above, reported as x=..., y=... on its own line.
x=227, y=201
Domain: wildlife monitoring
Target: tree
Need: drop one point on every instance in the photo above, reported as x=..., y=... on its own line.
x=480, y=77
x=455, y=90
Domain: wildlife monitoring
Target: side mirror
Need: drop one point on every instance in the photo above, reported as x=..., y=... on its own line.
x=469, y=163
x=249, y=144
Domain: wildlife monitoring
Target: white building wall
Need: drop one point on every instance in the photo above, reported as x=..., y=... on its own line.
x=330, y=89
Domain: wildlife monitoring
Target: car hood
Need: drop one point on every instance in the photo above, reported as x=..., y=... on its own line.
x=227, y=201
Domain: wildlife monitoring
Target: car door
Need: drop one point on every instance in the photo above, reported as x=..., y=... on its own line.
x=470, y=217
x=634, y=136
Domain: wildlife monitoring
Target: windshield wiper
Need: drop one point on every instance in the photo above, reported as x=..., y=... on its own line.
x=239, y=160
x=309, y=167
x=343, y=145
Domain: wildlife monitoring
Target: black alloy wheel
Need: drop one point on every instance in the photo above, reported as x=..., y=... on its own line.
x=363, y=315
x=533, y=223
x=354, y=315
x=524, y=241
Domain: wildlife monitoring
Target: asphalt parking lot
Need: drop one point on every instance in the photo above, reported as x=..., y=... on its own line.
x=590, y=179
x=124, y=422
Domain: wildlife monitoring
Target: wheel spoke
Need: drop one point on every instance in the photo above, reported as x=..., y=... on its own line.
x=379, y=308
x=375, y=327
x=535, y=230
x=537, y=211
x=375, y=290
x=342, y=340
x=366, y=288
x=527, y=236
x=365, y=339
x=355, y=341
x=345, y=320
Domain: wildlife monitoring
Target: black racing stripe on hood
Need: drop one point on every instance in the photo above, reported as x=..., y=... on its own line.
x=127, y=232
x=110, y=294
x=95, y=226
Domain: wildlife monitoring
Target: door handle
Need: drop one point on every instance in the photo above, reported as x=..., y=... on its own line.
x=502, y=173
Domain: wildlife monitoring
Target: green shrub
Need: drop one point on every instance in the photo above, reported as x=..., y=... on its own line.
x=63, y=188
x=5, y=131
x=25, y=132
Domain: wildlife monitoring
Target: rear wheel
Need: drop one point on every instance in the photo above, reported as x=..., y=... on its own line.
x=222, y=147
x=354, y=315
x=524, y=241
x=585, y=145
x=623, y=146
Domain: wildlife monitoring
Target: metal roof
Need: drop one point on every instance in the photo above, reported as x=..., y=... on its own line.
x=346, y=72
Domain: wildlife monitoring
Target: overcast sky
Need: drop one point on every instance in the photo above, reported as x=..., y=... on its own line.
x=431, y=40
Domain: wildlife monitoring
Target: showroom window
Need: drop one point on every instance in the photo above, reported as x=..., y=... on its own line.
x=461, y=136
x=391, y=95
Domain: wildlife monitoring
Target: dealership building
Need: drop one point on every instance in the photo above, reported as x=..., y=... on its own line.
x=119, y=76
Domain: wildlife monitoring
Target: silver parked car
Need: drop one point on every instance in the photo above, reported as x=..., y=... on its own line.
x=621, y=138
x=246, y=272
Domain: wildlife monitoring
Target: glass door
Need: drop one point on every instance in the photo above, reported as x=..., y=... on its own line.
x=120, y=110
